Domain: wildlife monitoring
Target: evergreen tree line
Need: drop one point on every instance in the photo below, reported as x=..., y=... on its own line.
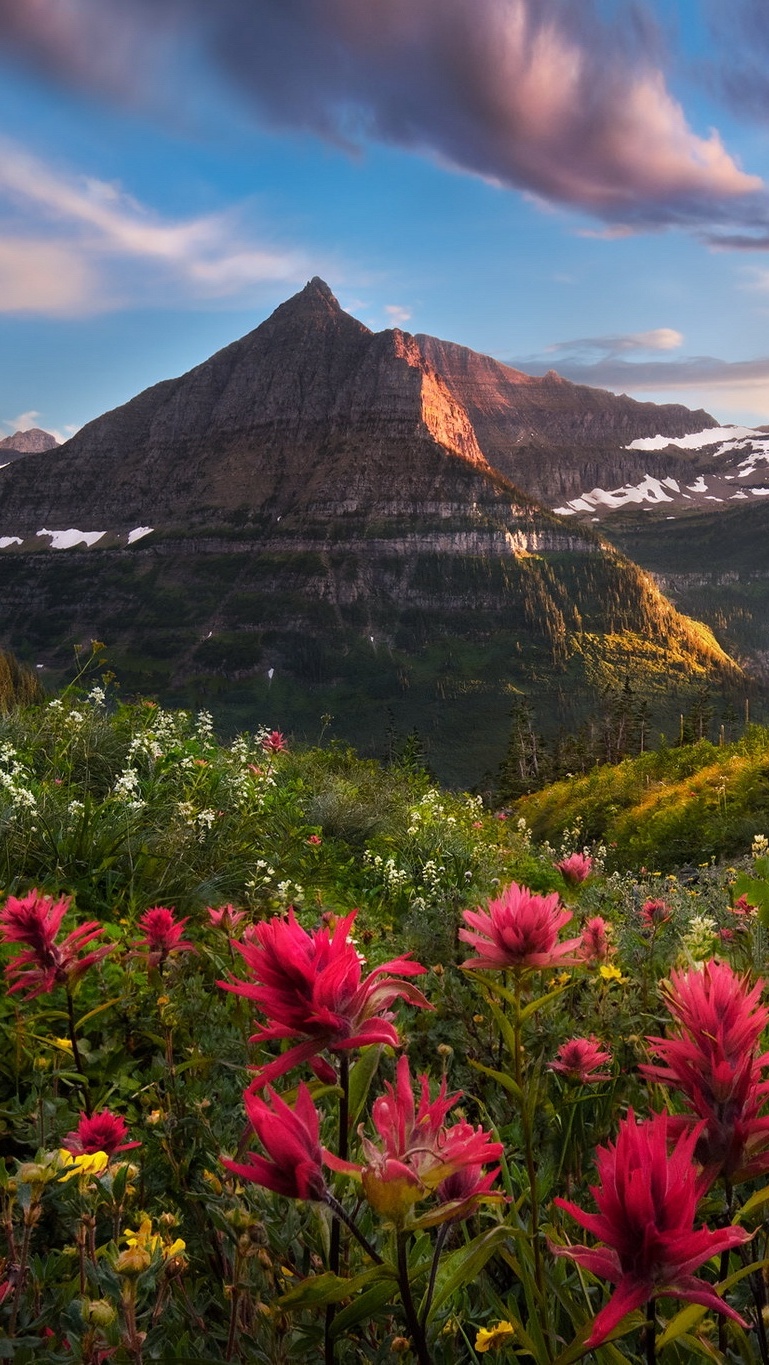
x=620, y=728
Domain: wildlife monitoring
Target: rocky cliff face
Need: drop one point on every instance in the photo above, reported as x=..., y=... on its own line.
x=550, y=436
x=321, y=519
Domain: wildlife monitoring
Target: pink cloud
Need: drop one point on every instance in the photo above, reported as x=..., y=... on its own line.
x=540, y=95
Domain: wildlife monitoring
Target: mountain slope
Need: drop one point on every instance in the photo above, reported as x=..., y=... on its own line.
x=550, y=436
x=307, y=523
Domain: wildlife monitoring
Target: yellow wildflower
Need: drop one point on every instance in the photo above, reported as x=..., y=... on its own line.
x=611, y=973
x=147, y=1240
x=83, y=1165
x=489, y=1338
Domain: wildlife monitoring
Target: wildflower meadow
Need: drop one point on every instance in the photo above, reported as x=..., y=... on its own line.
x=306, y=1059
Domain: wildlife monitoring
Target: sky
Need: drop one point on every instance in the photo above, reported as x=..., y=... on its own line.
x=578, y=185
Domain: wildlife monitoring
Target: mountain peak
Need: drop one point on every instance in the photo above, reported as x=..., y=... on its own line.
x=29, y=442
x=318, y=286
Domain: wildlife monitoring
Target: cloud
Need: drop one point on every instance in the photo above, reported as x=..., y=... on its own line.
x=44, y=277
x=96, y=232
x=544, y=96
x=398, y=316
x=24, y=422
x=659, y=339
x=739, y=389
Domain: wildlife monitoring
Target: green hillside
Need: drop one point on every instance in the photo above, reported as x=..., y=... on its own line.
x=681, y=805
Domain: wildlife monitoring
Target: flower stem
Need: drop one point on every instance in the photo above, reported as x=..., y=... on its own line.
x=77, y=1059
x=651, y=1330
x=415, y=1327
x=439, y=1241
x=344, y=1217
x=528, y=1146
x=336, y=1226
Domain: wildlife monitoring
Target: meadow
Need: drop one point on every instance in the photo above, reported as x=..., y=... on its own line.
x=306, y=1058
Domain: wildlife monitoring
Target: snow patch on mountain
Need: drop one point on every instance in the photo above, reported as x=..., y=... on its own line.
x=695, y=441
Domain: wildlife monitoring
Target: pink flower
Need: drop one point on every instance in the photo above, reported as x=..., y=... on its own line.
x=713, y=1061
x=102, y=1132
x=417, y=1153
x=579, y=1059
x=595, y=942
x=162, y=934
x=519, y=931
x=226, y=917
x=314, y=839
x=654, y=913
x=576, y=868
x=742, y=906
x=291, y=1139
x=647, y=1202
x=35, y=920
x=274, y=743
x=309, y=986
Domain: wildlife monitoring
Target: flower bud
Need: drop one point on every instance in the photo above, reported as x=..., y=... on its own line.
x=133, y=1261
x=98, y=1312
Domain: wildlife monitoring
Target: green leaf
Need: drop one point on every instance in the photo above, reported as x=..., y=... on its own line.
x=464, y=1265
x=684, y=1321
x=577, y=1349
x=329, y=1288
x=541, y=1000
x=361, y=1076
x=99, y=1010
x=755, y=1202
x=500, y=1077
x=363, y=1308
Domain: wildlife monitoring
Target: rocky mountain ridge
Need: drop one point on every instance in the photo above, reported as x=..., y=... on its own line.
x=310, y=522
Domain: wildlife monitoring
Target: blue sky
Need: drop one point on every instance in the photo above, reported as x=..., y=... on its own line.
x=558, y=183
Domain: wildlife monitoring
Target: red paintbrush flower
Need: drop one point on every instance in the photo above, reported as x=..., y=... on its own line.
x=647, y=1202
x=579, y=1060
x=102, y=1132
x=35, y=920
x=162, y=934
x=226, y=917
x=713, y=1061
x=595, y=942
x=274, y=743
x=417, y=1153
x=576, y=868
x=309, y=986
x=291, y=1139
x=654, y=913
x=519, y=931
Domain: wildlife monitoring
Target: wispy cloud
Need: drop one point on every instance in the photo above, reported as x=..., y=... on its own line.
x=546, y=96
x=736, y=388
x=79, y=244
x=397, y=315
x=658, y=339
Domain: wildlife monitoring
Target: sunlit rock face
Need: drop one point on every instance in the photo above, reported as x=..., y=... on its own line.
x=321, y=518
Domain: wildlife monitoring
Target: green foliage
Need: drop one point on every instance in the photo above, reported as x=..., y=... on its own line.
x=124, y=807
x=664, y=808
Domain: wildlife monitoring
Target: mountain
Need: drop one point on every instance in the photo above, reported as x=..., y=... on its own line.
x=714, y=565
x=31, y=441
x=550, y=436
x=310, y=523
x=714, y=467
